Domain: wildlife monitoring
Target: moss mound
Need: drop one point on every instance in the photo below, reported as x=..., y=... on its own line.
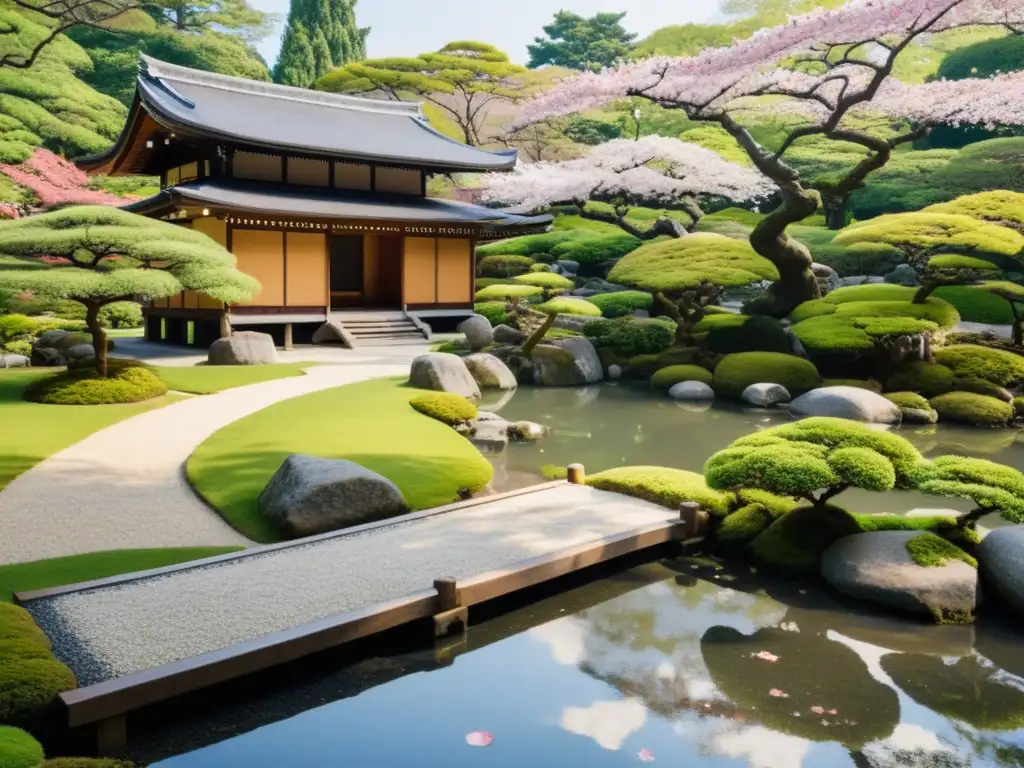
x=737, y=372
x=548, y=280
x=125, y=383
x=18, y=749
x=505, y=291
x=909, y=400
x=930, y=379
x=976, y=306
x=621, y=303
x=568, y=305
x=931, y=551
x=445, y=407
x=661, y=485
x=30, y=677
x=493, y=311
x=933, y=310
x=631, y=336
x=982, y=387
x=596, y=248
x=975, y=362
x=530, y=245
x=742, y=527
x=667, y=378
x=740, y=333
x=972, y=409
x=505, y=265
x=813, y=308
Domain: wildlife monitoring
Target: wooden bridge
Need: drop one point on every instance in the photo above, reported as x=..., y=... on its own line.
x=146, y=637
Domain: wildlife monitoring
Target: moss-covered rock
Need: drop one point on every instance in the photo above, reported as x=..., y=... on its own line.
x=86, y=762
x=548, y=280
x=569, y=305
x=931, y=551
x=666, y=378
x=445, y=407
x=915, y=408
x=975, y=362
x=741, y=527
x=982, y=387
x=737, y=372
x=18, y=749
x=621, y=303
x=30, y=677
x=930, y=379
x=661, y=485
x=813, y=308
x=972, y=409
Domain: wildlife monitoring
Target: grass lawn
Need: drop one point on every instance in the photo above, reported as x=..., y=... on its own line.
x=370, y=423
x=59, y=571
x=31, y=431
x=207, y=379
x=125, y=333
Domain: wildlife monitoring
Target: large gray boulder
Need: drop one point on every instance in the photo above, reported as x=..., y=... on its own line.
x=765, y=395
x=585, y=358
x=443, y=372
x=568, y=266
x=51, y=339
x=506, y=334
x=490, y=435
x=310, y=494
x=334, y=333
x=691, y=391
x=243, y=348
x=80, y=352
x=828, y=278
x=847, y=403
x=47, y=356
x=877, y=567
x=489, y=372
x=478, y=332
x=554, y=367
x=1001, y=558
x=903, y=274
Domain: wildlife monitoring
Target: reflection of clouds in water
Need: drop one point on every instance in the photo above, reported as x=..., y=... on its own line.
x=870, y=654
x=608, y=723
x=761, y=747
x=566, y=639
x=910, y=737
x=911, y=745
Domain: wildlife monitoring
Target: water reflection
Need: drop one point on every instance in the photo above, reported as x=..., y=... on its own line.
x=701, y=667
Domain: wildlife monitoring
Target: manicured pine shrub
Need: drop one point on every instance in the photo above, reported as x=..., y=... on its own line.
x=622, y=303
x=503, y=266
x=126, y=382
x=631, y=336
x=18, y=749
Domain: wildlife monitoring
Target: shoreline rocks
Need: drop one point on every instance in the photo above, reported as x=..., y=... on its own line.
x=443, y=372
x=847, y=403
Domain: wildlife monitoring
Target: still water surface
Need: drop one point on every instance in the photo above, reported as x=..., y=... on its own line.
x=681, y=663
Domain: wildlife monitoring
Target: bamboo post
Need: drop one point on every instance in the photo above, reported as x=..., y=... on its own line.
x=452, y=617
x=577, y=474
x=288, y=337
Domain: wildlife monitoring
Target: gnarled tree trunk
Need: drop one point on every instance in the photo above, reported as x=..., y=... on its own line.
x=663, y=226
x=837, y=209
x=792, y=258
x=99, y=336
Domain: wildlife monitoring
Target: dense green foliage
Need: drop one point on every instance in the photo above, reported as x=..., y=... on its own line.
x=668, y=377
x=620, y=303
x=569, y=305
x=319, y=35
x=18, y=749
x=972, y=409
x=501, y=292
x=992, y=487
x=597, y=248
x=548, y=280
x=631, y=335
x=931, y=551
x=494, y=311
x=737, y=372
x=576, y=42
x=742, y=333
x=930, y=379
x=503, y=265
x=532, y=245
x=661, y=485
x=83, y=386
x=445, y=407
x=975, y=362
x=30, y=677
x=678, y=265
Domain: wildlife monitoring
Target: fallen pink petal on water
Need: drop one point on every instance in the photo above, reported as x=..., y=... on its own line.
x=479, y=738
x=818, y=710
x=833, y=711
x=767, y=656
x=778, y=694
x=645, y=755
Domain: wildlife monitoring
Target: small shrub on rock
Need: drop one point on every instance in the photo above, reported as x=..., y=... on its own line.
x=737, y=372
x=970, y=361
x=30, y=677
x=493, y=311
x=931, y=551
x=632, y=335
x=667, y=378
x=548, y=280
x=661, y=485
x=504, y=265
x=622, y=303
x=972, y=409
x=445, y=407
x=126, y=382
x=18, y=749
x=930, y=379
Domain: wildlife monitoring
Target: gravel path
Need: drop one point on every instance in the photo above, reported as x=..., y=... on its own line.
x=114, y=631
x=124, y=487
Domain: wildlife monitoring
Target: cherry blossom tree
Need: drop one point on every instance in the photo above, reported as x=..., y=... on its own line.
x=654, y=171
x=823, y=64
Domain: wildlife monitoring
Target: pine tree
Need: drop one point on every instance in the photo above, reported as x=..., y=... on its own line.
x=329, y=38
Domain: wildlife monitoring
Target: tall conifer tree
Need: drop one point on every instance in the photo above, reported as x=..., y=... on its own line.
x=320, y=35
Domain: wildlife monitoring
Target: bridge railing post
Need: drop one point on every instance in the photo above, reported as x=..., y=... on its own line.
x=694, y=519
x=576, y=474
x=452, y=617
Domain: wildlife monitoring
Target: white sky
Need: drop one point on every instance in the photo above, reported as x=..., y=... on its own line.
x=409, y=27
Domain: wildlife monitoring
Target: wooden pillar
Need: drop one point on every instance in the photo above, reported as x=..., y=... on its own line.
x=577, y=474
x=288, y=337
x=693, y=518
x=452, y=617
x=111, y=735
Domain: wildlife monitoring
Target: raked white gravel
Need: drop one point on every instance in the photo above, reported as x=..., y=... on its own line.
x=124, y=487
x=113, y=631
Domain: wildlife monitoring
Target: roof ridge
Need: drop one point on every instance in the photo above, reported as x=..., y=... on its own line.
x=161, y=70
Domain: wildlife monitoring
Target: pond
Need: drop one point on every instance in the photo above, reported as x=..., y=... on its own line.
x=614, y=425
x=681, y=662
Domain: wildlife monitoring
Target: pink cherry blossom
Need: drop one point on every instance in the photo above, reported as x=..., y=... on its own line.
x=818, y=710
x=832, y=712
x=645, y=755
x=766, y=656
x=479, y=738
x=778, y=694
x=653, y=169
x=55, y=180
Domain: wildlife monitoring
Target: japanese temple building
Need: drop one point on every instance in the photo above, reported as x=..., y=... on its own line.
x=320, y=196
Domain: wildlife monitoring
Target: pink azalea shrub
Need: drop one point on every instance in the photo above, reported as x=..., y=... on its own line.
x=8, y=211
x=54, y=180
